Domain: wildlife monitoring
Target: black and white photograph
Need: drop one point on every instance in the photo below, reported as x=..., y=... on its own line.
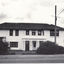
x=32, y=31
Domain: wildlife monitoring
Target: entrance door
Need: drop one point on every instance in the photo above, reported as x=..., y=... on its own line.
x=27, y=46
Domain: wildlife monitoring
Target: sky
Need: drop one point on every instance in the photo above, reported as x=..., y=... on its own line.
x=32, y=11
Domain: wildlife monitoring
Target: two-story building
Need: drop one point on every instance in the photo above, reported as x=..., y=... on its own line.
x=28, y=36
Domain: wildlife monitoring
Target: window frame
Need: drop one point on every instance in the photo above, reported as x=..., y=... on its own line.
x=34, y=44
x=27, y=32
x=16, y=32
x=43, y=32
x=33, y=32
x=11, y=33
x=13, y=44
x=40, y=42
x=52, y=33
x=40, y=32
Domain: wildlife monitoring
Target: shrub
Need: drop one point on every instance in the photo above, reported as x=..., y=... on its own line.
x=49, y=48
x=60, y=50
x=3, y=48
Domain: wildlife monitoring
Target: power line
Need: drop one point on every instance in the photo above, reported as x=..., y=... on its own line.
x=61, y=11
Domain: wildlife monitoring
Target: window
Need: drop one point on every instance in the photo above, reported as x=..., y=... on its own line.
x=27, y=32
x=39, y=32
x=11, y=32
x=34, y=43
x=40, y=42
x=16, y=32
x=27, y=42
x=13, y=44
x=33, y=32
x=43, y=32
x=52, y=33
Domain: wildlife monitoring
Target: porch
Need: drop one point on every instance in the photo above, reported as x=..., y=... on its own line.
x=32, y=43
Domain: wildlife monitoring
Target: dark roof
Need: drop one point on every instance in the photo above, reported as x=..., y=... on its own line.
x=26, y=26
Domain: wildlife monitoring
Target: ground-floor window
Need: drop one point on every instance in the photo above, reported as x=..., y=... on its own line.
x=13, y=44
x=34, y=43
x=40, y=42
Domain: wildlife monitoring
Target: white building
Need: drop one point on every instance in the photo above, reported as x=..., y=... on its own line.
x=27, y=36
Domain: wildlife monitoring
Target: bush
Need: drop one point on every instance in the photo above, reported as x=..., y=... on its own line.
x=60, y=50
x=49, y=48
x=3, y=48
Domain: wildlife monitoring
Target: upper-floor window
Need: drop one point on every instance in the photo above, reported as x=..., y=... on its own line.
x=27, y=32
x=16, y=32
x=33, y=32
x=39, y=32
x=11, y=32
x=52, y=33
x=13, y=44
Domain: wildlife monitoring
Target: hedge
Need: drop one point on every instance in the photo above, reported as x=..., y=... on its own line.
x=49, y=47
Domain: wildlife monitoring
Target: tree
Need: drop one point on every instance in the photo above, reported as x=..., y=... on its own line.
x=3, y=48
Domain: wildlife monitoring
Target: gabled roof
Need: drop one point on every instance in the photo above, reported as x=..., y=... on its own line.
x=27, y=26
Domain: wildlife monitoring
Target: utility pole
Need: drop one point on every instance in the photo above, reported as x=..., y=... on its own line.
x=55, y=21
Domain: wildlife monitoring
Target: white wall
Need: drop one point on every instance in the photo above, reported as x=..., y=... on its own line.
x=22, y=33
x=5, y=33
x=47, y=35
x=59, y=39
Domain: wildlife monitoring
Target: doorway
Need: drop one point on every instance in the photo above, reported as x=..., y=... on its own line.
x=26, y=45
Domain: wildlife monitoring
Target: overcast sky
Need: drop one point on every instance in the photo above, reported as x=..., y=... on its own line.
x=32, y=11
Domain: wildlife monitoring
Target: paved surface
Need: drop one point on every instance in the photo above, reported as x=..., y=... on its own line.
x=31, y=58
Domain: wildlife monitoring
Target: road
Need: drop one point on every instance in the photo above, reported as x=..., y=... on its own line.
x=32, y=58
